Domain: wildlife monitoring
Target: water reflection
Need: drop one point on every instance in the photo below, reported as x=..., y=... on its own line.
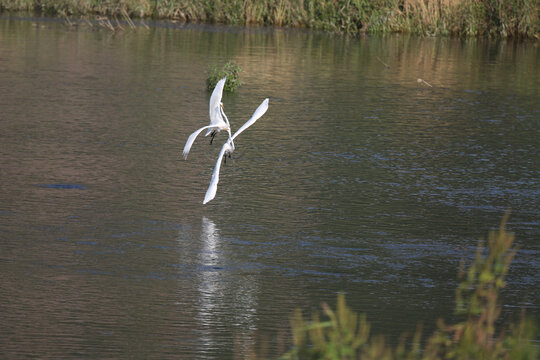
x=227, y=293
x=209, y=282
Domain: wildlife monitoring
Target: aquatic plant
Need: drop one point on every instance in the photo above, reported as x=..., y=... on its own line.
x=230, y=69
x=344, y=334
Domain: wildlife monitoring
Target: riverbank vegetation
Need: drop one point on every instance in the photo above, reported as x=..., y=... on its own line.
x=343, y=334
x=501, y=18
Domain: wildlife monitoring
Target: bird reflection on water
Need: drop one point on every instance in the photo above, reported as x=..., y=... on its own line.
x=227, y=296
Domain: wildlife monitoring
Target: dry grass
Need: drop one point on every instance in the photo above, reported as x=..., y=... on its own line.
x=504, y=18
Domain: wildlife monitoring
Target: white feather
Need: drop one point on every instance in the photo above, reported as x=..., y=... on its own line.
x=191, y=139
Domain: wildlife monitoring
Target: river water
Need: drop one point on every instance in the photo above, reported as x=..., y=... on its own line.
x=359, y=179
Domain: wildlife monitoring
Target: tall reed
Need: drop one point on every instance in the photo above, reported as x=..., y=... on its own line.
x=503, y=18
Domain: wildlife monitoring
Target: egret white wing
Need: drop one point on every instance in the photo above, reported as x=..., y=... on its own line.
x=191, y=139
x=215, y=101
x=256, y=115
x=212, y=188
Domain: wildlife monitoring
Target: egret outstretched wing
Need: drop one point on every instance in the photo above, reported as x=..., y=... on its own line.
x=212, y=188
x=191, y=139
x=256, y=115
x=215, y=99
x=215, y=105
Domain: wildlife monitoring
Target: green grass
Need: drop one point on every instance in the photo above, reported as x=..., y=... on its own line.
x=231, y=70
x=500, y=18
x=343, y=334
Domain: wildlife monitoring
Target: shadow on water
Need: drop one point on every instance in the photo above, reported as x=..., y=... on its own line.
x=62, y=186
x=357, y=179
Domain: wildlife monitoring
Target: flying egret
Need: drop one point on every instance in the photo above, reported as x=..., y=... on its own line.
x=228, y=148
x=217, y=123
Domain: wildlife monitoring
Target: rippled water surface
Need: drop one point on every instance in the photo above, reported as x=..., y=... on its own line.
x=358, y=179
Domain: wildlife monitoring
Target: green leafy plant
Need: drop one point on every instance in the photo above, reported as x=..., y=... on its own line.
x=343, y=334
x=481, y=335
x=231, y=70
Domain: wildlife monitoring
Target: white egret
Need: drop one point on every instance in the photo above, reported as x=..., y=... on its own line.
x=228, y=148
x=217, y=123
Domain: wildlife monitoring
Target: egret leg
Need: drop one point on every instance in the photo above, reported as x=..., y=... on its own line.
x=213, y=133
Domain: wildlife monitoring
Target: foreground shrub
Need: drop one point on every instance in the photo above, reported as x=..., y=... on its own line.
x=344, y=334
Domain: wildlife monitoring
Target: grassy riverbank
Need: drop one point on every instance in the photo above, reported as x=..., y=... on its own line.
x=502, y=18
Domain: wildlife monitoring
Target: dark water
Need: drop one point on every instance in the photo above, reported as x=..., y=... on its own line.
x=358, y=179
